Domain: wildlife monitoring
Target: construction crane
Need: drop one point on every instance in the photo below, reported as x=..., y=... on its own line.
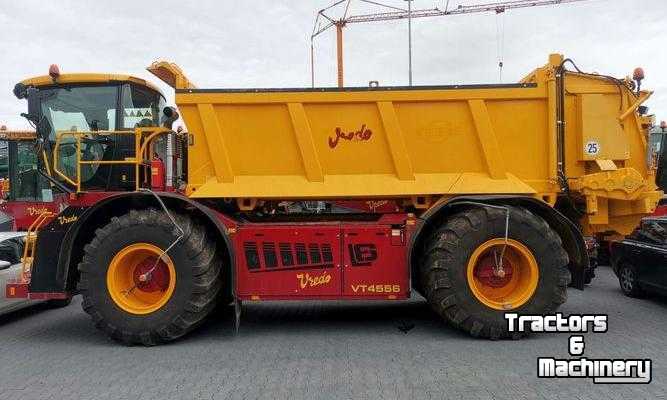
x=324, y=21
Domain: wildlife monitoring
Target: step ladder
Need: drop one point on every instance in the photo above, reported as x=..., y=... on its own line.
x=19, y=288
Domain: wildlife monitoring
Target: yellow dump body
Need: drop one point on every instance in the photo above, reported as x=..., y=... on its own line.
x=426, y=143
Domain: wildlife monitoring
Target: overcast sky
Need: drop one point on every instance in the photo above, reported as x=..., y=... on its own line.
x=265, y=43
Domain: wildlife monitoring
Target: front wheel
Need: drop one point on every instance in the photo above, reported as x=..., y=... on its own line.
x=137, y=292
x=472, y=273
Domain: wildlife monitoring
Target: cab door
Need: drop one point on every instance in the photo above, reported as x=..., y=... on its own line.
x=374, y=261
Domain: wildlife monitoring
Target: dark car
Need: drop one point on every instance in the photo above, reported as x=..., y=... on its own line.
x=640, y=260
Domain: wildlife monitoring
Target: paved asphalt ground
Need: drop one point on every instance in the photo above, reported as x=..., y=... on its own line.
x=325, y=351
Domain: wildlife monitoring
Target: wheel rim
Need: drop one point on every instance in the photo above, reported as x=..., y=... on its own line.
x=627, y=279
x=507, y=289
x=139, y=281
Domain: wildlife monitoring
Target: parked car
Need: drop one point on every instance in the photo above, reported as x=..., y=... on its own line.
x=640, y=260
x=11, y=251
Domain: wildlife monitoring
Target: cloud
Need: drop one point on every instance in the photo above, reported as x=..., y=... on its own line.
x=265, y=43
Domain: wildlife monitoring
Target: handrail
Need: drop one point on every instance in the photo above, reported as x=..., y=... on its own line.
x=56, y=150
x=151, y=137
x=143, y=141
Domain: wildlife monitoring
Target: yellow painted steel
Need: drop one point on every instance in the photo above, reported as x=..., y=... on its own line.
x=120, y=278
x=79, y=78
x=518, y=290
x=436, y=142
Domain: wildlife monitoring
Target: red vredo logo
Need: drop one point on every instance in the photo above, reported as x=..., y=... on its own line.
x=362, y=134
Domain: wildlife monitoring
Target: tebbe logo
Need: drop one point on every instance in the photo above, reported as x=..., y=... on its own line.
x=362, y=134
x=600, y=370
x=305, y=280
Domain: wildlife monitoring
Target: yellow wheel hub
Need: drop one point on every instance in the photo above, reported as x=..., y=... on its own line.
x=503, y=275
x=139, y=280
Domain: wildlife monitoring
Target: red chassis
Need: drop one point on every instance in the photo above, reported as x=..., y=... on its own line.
x=26, y=212
x=326, y=259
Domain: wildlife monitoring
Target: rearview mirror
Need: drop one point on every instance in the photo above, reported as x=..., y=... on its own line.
x=4, y=264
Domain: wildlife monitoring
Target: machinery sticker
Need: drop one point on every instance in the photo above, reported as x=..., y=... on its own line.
x=306, y=280
x=600, y=370
x=363, y=134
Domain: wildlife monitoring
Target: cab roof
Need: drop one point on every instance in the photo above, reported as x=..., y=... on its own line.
x=84, y=78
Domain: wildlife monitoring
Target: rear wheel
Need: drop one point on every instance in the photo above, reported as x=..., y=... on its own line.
x=138, y=294
x=472, y=274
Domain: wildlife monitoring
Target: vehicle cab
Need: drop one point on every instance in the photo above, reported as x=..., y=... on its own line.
x=86, y=126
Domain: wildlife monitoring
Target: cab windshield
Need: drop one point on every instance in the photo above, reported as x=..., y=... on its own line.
x=97, y=109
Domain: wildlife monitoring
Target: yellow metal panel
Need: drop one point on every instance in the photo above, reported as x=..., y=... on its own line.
x=200, y=167
x=360, y=186
x=216, y=143
x=522, y=134
x=440, y=137
x=396, y=142
x=487, y=138
x=425, y=143
x=363, y=151
x=260, y=139
x=309, y=97
x=304, y=138
x=602, y=137
x=475, y=183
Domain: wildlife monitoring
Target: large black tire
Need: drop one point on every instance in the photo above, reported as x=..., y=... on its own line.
x=443, y=269
x=198, y=270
